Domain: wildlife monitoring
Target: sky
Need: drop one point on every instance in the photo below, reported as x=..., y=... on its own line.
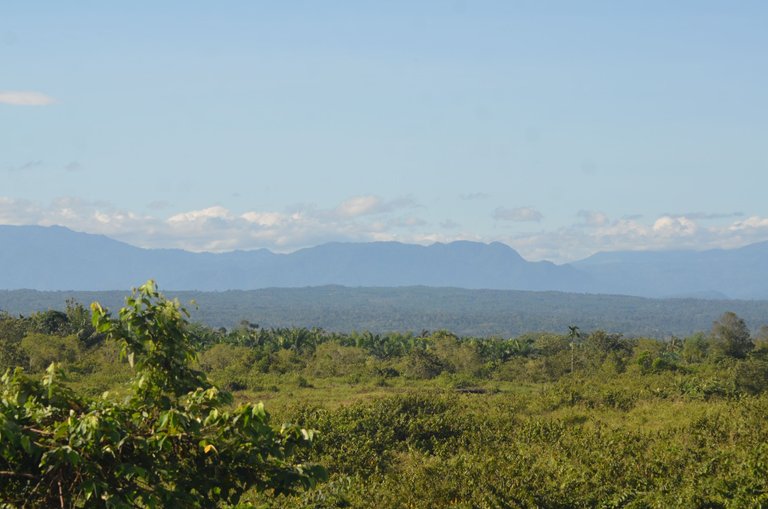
x=559, y=128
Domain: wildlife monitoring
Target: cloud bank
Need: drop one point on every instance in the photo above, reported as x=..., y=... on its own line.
x=216, y=228
x=370, y=218
x=596, y=232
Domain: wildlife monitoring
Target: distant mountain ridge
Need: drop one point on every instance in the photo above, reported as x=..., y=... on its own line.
x=740, y=273
x=56, y=258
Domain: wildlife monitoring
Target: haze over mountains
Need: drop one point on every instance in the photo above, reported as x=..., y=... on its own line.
x=56, y=258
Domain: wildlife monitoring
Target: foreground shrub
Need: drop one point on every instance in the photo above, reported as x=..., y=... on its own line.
x=169, y=444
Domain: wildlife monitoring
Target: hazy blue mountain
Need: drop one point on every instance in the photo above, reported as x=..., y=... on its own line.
x=736, y=273
x=458, y=264
x=55, y=258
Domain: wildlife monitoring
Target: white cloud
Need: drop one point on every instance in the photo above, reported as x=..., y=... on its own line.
x=631, y=234
x=696, y=216
x=18, y=212
x=217, y=228
x=621, y=229
x=265, y=218
x=406, y=222
x=25, y=98
x=365, y=205
x=668, y=226
x=197, y=216
x=751, y=223
x=359, y=206
x=519, y=214
x=593, y=218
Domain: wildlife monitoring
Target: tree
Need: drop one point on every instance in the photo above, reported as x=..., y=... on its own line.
x=171, y=443
x=574, y=335
x=730, y=336
x=43, y=349
x=602, y=347
x=761, y=341
x=50, y=322
x=696, y=347
x=762, y=334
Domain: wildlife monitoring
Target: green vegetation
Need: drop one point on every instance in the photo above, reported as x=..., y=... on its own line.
x=169, y=443
x=464, y=312
x=430, y=419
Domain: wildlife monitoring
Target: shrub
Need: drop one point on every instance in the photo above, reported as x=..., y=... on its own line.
x=422, y=364
x=170, y=444
x=332, y=359
x=751, y=375
x=43, y=349
x=12, y=355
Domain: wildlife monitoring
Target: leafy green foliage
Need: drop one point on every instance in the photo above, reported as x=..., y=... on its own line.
x=731, y=337
x=422, y=363
x=364, y=439
x=171, y=443
x=43, y=349
x=575, y=419
x=439, y=450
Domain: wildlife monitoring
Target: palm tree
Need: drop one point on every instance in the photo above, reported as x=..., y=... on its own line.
x=574, y=334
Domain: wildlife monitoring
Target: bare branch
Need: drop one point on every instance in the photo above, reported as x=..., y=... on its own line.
x=10, y=473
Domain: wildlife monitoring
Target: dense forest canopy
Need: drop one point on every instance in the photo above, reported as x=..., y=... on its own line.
x=464, y=312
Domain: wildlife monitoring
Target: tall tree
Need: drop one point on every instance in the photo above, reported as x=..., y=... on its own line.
x=731, y=336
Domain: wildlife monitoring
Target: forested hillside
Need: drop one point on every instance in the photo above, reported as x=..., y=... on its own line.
x=465, y=312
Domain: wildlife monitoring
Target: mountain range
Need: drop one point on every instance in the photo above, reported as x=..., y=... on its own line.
x=56, y=258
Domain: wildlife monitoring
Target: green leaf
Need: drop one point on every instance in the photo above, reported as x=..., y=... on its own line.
x=26, y=444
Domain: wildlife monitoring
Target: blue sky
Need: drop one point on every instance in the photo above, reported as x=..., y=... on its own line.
x=559, y=128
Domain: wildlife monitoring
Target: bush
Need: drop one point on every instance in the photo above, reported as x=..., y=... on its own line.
x=366, y=438
x=332, y=359
x=459, y=356
x=42, y=350
x=423, y=364
x=696, y=348
x=172, y=443
x=12, y=355
x=751, y=375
